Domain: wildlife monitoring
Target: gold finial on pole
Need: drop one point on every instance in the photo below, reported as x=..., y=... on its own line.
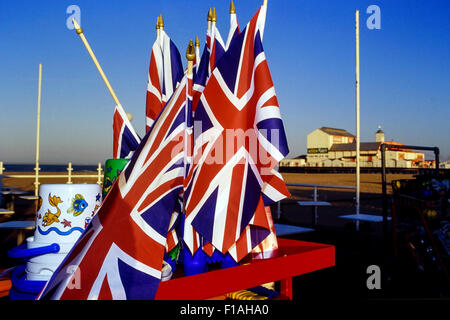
x=99, y=68
x=209, y=17
x=161, y=22
x=214, y=16
x=190, y=56
x=190, y=52
x=232, y=7
x=158, y=27
x=197, y=42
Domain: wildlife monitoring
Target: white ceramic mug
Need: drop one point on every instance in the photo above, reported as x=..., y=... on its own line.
x=65, y=211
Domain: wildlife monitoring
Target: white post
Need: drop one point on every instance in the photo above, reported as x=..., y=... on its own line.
x=357, y=116
x=99, y=170
x=38, y=129
x=69, y=173
x=1, y=167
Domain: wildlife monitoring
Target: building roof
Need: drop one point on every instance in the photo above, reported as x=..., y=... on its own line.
x=363, y=146
x=336, y=132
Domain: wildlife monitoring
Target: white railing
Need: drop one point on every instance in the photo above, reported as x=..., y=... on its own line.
x=67, y=176
x=315, y=194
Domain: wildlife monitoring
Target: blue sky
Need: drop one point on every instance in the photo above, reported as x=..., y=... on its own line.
x=405, y=69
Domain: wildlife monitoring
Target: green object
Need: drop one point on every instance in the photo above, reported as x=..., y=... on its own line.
x=175, y=252
x=113, y=168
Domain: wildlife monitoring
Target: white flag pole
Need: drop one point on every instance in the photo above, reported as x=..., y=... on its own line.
x=357, y=117
x=38, y=130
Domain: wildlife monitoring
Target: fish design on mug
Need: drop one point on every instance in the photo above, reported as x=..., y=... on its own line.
x=50, y=217
x=79, y=204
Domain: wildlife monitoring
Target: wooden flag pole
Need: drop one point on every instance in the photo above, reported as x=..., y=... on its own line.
x=265, y=3
x=38, y=130
x=357, y=115
x=99, y=68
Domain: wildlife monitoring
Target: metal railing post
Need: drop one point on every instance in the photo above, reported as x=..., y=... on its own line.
x=99, y=170
x=36, y=179
x=69, y=173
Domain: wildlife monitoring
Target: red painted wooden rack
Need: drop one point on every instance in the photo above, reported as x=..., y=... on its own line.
x=294, y=258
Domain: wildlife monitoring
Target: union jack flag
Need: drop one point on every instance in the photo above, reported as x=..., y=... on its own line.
x=165, y=72
x=241, y=141
x=120, y=255
x=125, y=138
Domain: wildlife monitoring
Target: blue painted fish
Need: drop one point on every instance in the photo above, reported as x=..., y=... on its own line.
x=78, y=205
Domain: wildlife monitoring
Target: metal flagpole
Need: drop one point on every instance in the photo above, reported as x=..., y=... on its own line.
x=38, y=129
x=88, y=47
x=357, y=118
